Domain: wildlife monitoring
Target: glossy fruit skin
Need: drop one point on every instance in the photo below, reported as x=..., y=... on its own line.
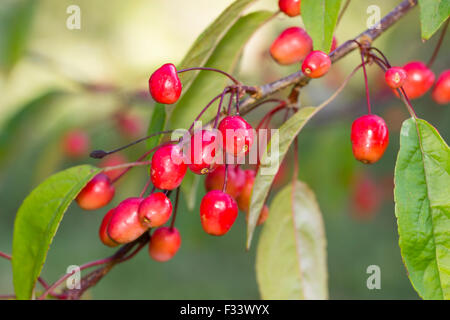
x=76, y=144
x=97, y=193
x=218, y=211
x=290, y=7
x=165, y=85
x=370, y=138
x=203, y=148
x=155, y=210
x=316, y=64
x=441, y=91
x=419, y=80
x=243, y=200
x=168, y=167
x=125, y=225
x=164, y=244
x=102, y=232
x=395, y=77
x=235, y=180
x=291, y=46
x=112, y=160
x=237, y=135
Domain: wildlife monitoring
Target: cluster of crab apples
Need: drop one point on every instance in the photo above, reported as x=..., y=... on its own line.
x=228, y=186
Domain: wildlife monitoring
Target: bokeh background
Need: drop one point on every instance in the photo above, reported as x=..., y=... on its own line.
x=85, y=78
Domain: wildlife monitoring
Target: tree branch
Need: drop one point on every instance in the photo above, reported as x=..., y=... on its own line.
x=300, y=80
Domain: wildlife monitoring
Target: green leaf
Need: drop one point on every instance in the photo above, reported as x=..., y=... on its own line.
x=37, y=221
x=291, y=255
x=157, y=124
x=433, y=13
x=206, y=43
x=209, y=84
x=320, y=18
x=271, y=163
x=422, y=208
x=15, y=25
x=18, y=121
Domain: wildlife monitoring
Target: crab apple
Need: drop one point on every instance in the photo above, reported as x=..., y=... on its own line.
x=366, y=197
x=395, y=77
x=125, y=225
x=76, y=143
x=168, y=167
x=96, y=194
x=243, y=200
x=202, y=151
x=235, y=180
x=165, y=85
x=102, y=232
x=291, y=46
x=218, y=211
x=164, y=244
x=290, y=7
x=237, y=135
x=316, y=64
x=155, y=210
x=370, y=138
x=441, y=91
x=129, y=125
x=419, y=81
x=112, y=160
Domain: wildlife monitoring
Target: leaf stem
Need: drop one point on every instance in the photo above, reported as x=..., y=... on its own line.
x=212, y=69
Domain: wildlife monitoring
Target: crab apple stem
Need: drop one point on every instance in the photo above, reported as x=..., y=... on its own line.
x=98, y=154
x=438, y=45
x=172, y=223
x=225, y=179
x=380, y=62
x=237, y=101
x=206, y=108
x=270, y=114
x=219, y=109
x=5, y=255
x=211, y=69
x=366, y=82
x=408, y=104
x=147, y=184
x=143, y=241
x=230, y=103
x=386, y=61
x=128, y=168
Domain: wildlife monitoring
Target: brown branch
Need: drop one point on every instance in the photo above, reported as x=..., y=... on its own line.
x=300, y=80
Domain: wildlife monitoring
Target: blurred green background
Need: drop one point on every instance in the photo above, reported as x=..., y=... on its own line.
x=64, y=79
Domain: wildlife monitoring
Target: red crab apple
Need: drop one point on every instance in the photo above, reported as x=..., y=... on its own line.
x=290, y=7
x=395, y=77
x=102, y=232
x=202, y=149
x=235, y=180
x=164, y=244
x=168, y=167
x=155, y=210
x=441, y=91
x=419, y=81
x=237, y=135
x=75, y=143
x=97, y=193
x=218, y=211
x=370, y=138
x=125, y=225
x=165, y=85
x=316, y=64
x=291, y=46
